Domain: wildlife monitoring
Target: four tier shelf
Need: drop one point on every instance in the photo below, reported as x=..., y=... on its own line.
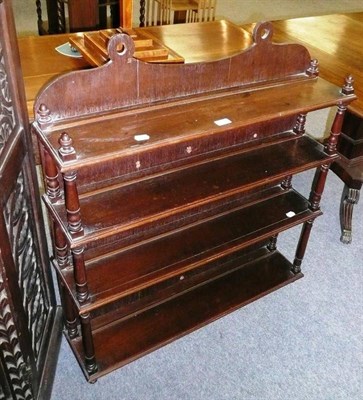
x=167, y=187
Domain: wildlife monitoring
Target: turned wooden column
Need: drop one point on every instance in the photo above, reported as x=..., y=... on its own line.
x=51, y=176
x=80, y=275
x=318, y=187
x=88, y=346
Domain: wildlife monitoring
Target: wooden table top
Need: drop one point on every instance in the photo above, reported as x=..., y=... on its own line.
x=336, y=41
x=41, y=62
x=204, y=41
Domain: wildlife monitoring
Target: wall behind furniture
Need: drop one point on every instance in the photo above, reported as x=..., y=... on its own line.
x=238, y=11
x=242, y=11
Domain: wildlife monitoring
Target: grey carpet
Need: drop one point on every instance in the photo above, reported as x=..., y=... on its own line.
x=303, y=342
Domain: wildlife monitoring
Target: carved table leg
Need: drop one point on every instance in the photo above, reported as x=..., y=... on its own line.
x=350, y=197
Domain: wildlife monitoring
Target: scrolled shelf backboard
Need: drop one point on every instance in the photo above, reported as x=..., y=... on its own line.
x=126, y=82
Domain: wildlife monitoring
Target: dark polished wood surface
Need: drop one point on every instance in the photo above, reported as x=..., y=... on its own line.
x=30, y=320
x=217, y=39
x=168, y=187
x=335, y=40
x=194, y=42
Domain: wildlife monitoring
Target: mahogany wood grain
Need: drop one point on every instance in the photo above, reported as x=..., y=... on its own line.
x=146, y=200
x=120, y=343
x=180, y=178
x=179, y=252
x=216, y=40
x=188, y=121
x=139, y=82
x=93, y=46
x=83, y=14
x=159, y=293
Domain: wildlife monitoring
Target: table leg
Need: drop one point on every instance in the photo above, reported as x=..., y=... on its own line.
x=350, y=197
x=350, y=170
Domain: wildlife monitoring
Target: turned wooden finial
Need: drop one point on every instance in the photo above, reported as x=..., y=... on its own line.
x=66, y=151
x=313, y=70
x=43, y=114
x=72, y=204
x=300, y=124
x=348, y=85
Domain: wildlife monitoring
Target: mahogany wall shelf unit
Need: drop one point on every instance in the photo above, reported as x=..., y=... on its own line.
x=168, y=185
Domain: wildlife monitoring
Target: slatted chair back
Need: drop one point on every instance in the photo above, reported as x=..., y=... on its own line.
x=205, y=12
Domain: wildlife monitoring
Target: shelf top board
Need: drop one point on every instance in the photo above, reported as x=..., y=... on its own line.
x=127, y=82
x=132, y=132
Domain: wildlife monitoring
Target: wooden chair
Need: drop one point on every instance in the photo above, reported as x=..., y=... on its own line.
x=156, y=12
x=164, y=12
x=205, y=12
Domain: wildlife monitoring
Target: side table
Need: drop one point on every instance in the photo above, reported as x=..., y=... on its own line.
x=322, y=36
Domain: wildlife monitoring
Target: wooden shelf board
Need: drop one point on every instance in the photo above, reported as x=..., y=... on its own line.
x=167, y=155
x=122, y=342
x=168, y=256
x=170, y=197
x=159, y=293
x=183, y=119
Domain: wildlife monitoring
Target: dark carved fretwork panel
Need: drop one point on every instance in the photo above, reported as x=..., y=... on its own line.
x=20, y=228
x=16, y=365
x=7, y=118
x=30, y=321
